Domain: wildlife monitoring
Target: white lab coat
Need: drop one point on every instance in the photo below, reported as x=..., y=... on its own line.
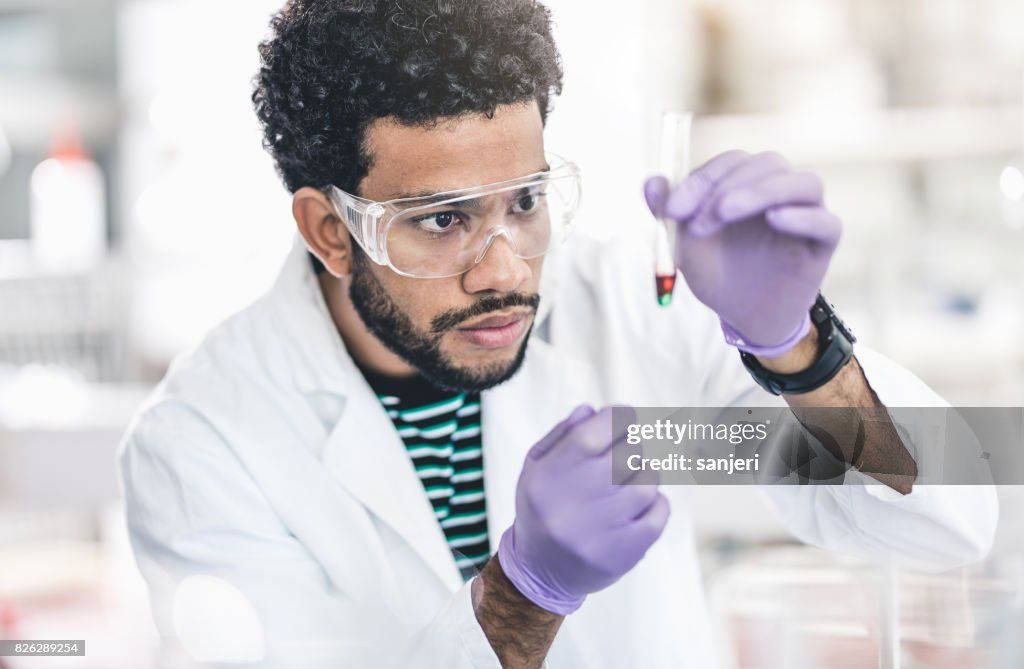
x=276, y=515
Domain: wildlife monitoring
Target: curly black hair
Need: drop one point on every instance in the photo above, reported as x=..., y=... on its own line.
x=332, y=67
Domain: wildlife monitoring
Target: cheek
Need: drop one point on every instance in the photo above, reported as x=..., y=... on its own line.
x=536, y=267
x=423, y=299
x=531, y=285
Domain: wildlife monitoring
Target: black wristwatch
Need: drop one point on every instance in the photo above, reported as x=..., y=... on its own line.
x=835, y=348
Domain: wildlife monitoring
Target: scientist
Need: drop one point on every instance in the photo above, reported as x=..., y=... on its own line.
x=399, y=455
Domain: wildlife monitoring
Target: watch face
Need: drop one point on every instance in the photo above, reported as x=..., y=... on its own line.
x=828, y=312
x=847, y=332
x=842, y=327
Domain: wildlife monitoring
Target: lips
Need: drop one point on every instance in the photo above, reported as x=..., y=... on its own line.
x=494, y=321
x=495, y=331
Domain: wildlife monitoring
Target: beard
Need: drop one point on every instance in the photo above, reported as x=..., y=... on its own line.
x=395, y=329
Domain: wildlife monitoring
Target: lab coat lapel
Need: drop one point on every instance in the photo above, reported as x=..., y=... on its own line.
x=363, y=451
x=516, y=415
x=368, y=457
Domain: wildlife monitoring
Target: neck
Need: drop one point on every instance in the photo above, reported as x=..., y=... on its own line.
x=366, y=350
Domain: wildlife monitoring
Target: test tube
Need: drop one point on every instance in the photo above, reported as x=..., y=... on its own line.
x=674, y=163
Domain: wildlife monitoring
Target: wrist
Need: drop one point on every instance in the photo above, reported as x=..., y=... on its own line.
x=542, y=595
x=827, y=352
x=519, y=631
x=797, y=359
x=492, y=583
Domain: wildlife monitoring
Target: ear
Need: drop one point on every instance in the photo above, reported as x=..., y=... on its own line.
x=325, y=234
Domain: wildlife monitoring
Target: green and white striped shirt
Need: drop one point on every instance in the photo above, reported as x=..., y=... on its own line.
x=441, y=431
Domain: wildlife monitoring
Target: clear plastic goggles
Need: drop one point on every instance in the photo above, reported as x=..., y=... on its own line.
x=447, y=234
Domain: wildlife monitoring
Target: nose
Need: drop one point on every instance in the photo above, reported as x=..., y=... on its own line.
x=492, y=237
x=497, y=267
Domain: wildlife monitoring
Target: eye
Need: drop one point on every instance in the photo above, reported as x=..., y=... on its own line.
x=527, y=202
x=438, y=222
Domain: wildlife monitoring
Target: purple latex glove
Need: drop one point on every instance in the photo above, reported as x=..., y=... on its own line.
x=754, y=241
x=575, y=532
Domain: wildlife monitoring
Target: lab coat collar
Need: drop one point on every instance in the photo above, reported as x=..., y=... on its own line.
x=322, y=364
x=363, y=450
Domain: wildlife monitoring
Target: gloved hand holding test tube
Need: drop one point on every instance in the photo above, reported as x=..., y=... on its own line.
x=753, y=242
x=674, y=160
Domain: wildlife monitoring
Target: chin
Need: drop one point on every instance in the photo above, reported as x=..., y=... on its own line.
x=488, y=362
x=480, y=370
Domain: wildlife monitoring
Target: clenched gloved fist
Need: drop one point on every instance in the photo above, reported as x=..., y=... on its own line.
x=575, y=532
x=753, y=242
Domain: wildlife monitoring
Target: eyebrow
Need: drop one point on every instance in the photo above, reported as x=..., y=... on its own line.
x=433, y=196
x=427, y=200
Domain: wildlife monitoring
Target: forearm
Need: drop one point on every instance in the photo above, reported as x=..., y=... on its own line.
x=520, y=632
x=861, y=435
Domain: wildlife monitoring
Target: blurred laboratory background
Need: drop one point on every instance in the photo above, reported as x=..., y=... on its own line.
x=138, y=209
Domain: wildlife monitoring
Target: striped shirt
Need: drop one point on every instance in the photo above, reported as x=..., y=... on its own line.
x=441, y=432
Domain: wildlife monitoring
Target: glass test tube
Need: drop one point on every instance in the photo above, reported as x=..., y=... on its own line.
x=674, y=162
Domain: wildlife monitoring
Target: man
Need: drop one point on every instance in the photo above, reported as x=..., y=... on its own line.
x=400, y=455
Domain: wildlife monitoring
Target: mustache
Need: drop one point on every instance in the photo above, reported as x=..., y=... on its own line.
x=449, y=319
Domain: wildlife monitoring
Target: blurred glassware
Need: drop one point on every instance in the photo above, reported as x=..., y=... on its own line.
x=72, y=322
x=800, y=607
x=68, y=207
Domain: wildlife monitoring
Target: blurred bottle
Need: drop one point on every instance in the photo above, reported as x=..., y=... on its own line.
x=68, y=207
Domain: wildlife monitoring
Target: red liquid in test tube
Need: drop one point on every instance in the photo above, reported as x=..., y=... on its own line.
x=665, y=284
x=675, y=162
x=664, y=263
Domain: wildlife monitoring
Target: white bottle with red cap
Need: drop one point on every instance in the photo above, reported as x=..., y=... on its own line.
x=68, y=208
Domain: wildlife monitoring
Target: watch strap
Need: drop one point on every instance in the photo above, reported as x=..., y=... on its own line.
x=835, y=348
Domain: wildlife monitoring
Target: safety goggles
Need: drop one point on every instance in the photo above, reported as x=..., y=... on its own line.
x=447, y=234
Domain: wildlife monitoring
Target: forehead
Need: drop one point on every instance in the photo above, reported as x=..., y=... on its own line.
x=456, y=153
